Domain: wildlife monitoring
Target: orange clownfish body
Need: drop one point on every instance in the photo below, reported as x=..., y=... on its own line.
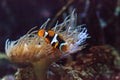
x=54, y=39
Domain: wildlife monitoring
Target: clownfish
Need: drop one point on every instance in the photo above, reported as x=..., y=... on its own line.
x=54, y=39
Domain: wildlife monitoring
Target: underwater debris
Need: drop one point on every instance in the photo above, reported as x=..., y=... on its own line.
x=33, y=49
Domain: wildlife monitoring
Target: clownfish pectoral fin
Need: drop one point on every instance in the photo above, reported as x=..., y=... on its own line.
x=41, y=32
x=47, y=40
x=56, y=44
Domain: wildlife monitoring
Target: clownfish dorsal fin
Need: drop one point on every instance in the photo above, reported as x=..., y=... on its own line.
x=51, y=33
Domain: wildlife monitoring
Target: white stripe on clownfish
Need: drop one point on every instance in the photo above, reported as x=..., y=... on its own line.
x=54, y=39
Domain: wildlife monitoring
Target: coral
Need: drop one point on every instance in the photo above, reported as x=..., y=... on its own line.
x=26, y=73
x=98, y=63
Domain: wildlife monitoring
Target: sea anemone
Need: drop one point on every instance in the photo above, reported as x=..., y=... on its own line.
x=31, y=48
